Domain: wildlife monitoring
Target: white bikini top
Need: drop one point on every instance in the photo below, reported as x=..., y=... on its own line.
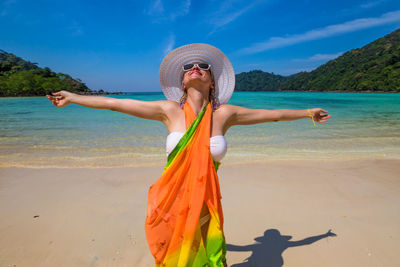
x=218, y=146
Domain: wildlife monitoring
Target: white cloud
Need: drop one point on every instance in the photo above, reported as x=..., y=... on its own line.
x=227, y=14
x=170, y=44
x=220, y=21
x=182, y=10
x=318, y=57
x=156, y=8
x=162, y=11
x=350, y=26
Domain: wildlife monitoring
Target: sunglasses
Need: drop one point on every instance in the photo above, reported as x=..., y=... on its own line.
x=202, y=66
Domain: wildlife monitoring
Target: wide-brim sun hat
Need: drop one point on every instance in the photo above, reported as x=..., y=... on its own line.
x=221, y=68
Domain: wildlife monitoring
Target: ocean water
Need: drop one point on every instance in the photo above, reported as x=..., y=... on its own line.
x=34, y=133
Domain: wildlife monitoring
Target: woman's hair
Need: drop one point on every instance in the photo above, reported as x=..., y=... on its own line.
x=212, y=98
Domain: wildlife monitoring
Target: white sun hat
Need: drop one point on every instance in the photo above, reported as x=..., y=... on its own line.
x=221, y=68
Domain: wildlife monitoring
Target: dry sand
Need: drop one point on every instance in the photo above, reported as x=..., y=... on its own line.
x=95, y=217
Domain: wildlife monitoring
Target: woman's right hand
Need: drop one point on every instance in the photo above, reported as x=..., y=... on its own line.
x=61, y=98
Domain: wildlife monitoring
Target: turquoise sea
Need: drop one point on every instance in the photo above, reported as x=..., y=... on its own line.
x=34, y=133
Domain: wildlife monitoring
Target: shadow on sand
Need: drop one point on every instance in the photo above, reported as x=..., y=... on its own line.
x=267, y=252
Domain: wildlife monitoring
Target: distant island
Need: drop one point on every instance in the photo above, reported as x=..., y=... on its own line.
x=372, y=68
x=19, y=77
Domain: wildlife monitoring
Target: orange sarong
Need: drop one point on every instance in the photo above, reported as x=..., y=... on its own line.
x=176, y=199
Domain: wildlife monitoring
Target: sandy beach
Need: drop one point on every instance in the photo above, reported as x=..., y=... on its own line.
x=95, y=217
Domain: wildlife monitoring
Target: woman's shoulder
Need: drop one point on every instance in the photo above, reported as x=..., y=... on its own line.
x=226, y=109
x=171, y=108
x=224, y=112
x=169, y=104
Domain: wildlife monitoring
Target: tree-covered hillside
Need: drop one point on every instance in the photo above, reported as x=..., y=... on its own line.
x=374, y=67
x=257, y=80
x=23, y=78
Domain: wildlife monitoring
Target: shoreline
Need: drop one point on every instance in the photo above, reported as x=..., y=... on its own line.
x=227, y=162
x=288, y=91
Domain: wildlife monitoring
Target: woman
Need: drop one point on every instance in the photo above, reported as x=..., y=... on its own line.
x=184, y=223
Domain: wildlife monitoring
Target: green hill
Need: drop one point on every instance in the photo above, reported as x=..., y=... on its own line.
x=257, y=80
x=19, y=77
x=374, y=67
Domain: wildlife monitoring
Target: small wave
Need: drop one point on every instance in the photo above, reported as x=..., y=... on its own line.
x=22, y=112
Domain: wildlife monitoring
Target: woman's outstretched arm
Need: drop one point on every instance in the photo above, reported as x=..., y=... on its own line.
x=153, y=110
x=246, y=116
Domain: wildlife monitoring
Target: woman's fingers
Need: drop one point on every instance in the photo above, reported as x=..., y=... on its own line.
x=53, y=100
x=325, y=118
x=322, y=118
x=324, y=111
x=56, y=97
x=319, y=116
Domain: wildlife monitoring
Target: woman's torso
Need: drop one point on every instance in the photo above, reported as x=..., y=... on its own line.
x=218, y=145
x=176, y=127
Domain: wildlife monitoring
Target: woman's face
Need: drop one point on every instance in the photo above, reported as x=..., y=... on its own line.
x=197, y=76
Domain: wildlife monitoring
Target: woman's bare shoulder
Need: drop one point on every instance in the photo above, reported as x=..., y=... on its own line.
x=227, y=109
x=170, y=105
x=225, y=113
x=171, y=108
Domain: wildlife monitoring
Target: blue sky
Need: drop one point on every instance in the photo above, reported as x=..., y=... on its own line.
x=119, y=45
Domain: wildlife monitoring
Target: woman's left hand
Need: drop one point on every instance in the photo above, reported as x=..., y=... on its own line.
x=318, y=116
